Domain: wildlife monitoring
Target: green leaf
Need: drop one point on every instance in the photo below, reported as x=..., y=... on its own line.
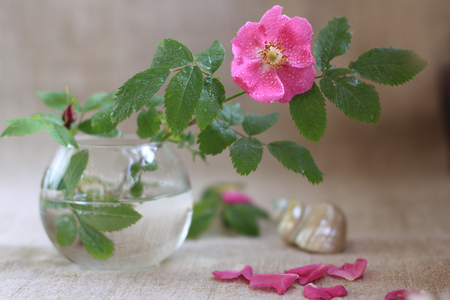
x=107, y=217
x=55, y=100
x=255, y=124
x=137, y=189
x=148, y=123
x=211, y=99
x=232, y=114
x=211, y=59
x=216, y=138
x=246, y=154
x=296, y=158
x=309, y=113
x=95, y=242
x=86, y=127
x=53, y=118
x=61, y=135
x=155, y=101
x=24, y=126
x=171, y=54
x=333, y=40
x=66, y=229
x=203, y=216
x=99, y=101
x=182, y=97
x=388, y=65
x=72, y=175
x=137, y=91
x=355, y=98
x=239, y=218
x=102, y=122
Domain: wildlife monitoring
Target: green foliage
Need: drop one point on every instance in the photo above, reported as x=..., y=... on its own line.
x=66, y=229
x=155, y=101
x=148, y=122
x=333, y=40
x=388, y=65
x=86, y=127
x=24, y=126
x=74, y=171
x=211, y=99
x=171, y=54
x=238, y=218
x=137, y=91
x=309, y=113
x=99, y=101
x=107, y=217
x=205, y=212
x=232, y=114
x=211, y=59
x=255, y=124
x=296, y=158
x=356, y=99
x=216, y=138
x=61, y=135
x=246, y=154
x=55, y=100
x=241, y=218
x=182, y=97
x=95, y=242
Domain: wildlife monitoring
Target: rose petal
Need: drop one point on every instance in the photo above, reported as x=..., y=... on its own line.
x=237, y=271
x=401, y=294
x=298, y=81
x=349, y=271
x=314, y=292
x=281, y=282
x=236, y=197
x=309, y=273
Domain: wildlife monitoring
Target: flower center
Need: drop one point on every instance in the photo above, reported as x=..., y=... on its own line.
x=273, y=54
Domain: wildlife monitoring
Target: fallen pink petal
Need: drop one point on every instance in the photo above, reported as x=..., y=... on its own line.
x=272, y=59
x=309, y=273
x=237, y=271
x=236, y=197
x=401, y=294
x=281, y=282
x=349, y=271
x=314, y=292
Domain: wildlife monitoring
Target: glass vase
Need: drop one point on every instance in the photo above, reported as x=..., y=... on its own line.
x=116, y=203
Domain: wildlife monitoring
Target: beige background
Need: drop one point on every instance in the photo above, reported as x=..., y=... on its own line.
x=93, y=46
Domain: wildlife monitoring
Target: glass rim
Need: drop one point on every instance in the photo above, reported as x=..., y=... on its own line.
x=127, y=140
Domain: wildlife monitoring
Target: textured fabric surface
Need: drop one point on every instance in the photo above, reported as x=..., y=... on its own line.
x=401, y=229
x=390, y=179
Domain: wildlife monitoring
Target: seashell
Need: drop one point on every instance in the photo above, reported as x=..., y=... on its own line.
x=319, y=227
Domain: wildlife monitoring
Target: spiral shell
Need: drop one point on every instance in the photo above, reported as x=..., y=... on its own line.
x=319, y=228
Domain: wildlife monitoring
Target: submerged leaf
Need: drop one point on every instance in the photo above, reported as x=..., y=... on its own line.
x=95, y=242
x=66, y=229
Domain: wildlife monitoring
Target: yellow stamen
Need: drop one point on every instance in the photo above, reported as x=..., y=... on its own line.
x=273, y=54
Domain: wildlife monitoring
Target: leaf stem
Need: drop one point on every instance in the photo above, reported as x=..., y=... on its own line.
x=234, y=96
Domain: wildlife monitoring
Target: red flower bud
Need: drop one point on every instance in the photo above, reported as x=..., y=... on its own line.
x=69, y=116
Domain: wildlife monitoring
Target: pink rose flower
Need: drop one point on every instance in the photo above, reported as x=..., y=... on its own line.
x=272, y=59
x=236, y=197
